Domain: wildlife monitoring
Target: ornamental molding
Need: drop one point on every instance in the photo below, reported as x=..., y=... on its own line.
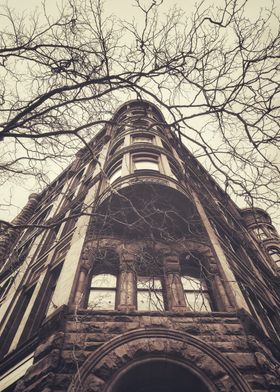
x=119, y=245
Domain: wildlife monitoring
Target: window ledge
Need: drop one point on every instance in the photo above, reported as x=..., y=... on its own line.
x=167, y=313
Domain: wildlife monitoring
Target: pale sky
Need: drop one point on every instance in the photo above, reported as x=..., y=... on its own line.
x=125, y=10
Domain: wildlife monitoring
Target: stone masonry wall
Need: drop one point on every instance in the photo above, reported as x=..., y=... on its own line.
x=63, y=353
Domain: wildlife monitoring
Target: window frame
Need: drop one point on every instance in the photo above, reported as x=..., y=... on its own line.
x=142, y=156
x=113, y=169
x=274, y=250
x=93, y=289
x=260, y=233
x=42, y=303
x=154, y=291
x=201, y=293
x=117, y=146
x=15, y=318
x=195, y=269
x=144, y=135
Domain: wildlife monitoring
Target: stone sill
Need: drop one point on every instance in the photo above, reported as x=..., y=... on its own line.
x=134, y=313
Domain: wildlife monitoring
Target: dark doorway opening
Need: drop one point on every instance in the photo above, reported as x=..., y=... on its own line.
x=158, y=375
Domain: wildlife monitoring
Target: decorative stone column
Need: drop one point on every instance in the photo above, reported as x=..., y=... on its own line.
x=10, y=234
x=175, y=292
x=82, y=279
x=219, y=291
x=127, y=283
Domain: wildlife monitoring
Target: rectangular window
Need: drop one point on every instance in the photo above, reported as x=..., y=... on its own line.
x=196, y=294
x=102, y=292
x=115, y=174
x=261, y=235
x=149, y=294
x=51, y=286
x=142, y=138
x=69, y=223
x=145, y=162
x=274, y=253
x=117, y=146
x=115, y=171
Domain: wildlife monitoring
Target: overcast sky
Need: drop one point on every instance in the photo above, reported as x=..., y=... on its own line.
x=125, y=10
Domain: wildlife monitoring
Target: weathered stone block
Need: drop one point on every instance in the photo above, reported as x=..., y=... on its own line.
x=45, y=365
x=42, y=383
x=62, y=381
x=243, y=361
x=256, y=381
x=55, y=341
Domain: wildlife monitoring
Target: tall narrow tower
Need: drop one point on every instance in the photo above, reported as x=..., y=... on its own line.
x=134, y=271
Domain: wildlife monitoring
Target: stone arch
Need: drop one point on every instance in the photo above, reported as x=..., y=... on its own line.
x=212, y=367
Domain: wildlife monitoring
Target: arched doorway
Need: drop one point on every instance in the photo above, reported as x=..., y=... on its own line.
x=157, y=375
x=157, y=360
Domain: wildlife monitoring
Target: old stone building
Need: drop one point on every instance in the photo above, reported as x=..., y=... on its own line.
x=134, y=271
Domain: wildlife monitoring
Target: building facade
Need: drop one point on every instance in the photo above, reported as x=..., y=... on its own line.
x=135, y=271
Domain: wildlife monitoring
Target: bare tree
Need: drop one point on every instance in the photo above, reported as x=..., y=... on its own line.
x=213, y=73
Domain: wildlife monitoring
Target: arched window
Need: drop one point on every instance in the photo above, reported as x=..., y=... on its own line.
x=274, y=254
x=149, y=294
x=102, y=293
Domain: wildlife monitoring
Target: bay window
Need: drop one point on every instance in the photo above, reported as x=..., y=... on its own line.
x=125, y=289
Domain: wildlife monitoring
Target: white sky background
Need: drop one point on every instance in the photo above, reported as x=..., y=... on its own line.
x=17, y=194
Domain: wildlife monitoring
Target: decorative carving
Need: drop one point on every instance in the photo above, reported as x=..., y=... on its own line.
x=86, y=262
